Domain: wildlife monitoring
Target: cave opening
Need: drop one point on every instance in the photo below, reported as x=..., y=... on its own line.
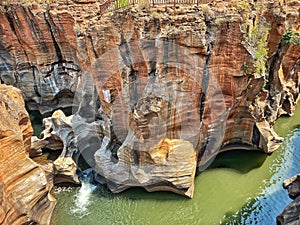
x=240, y=160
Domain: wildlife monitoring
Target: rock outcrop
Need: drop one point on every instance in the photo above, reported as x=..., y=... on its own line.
x=201, y=77
x=24, y=187
x=58, y=135
x=290, y=215
x=37, y=55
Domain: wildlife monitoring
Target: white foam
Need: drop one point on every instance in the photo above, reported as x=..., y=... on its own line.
x=82, y=198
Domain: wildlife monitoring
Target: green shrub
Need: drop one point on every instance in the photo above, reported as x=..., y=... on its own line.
x=121, y=4
x=291, y=37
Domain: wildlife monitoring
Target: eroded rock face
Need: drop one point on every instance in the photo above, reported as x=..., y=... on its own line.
x=290, y=215
x=58, y=134
x=32, y=201
x=204, y=77
x=38, y=56
x=168, y=166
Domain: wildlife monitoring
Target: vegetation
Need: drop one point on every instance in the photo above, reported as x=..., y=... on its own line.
x=256, y=41
x=291, y=37
x=121, y=4
x=242, y=7
x=256, y=33
x=261, y=50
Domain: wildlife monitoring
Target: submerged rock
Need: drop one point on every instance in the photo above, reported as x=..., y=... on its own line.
x=24, y=186
x=291, y=214
x=293, y=186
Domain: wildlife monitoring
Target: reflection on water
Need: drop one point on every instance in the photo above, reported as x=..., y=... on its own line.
x=239, y=160
x=246, y=190
x=273, y=198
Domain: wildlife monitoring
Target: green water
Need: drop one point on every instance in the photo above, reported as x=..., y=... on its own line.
x=235, y=190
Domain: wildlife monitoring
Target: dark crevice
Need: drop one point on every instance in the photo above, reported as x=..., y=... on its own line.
x=271, y=87
x=205, y=82
x=204, y=86
x=40, y=37
x=133, y=87
x=255, y=136
x=93, y=48
x=12, y=26
x=36, y=119
x=125, y=54
x=272, y=69
x=286, y=105
x=202, y=102
x=29, y=223
x=17, y=20
x=166, y=53
x=35, y=83
x=209, y=39
x=52, y=30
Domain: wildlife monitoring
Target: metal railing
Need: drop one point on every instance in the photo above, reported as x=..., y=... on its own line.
x=111, y=5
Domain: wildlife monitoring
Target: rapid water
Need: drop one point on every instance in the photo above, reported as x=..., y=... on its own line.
x=239, y=188
x=82, y=198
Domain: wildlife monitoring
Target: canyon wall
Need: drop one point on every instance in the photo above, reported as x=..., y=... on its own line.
x=156, y=92
x=24, y=186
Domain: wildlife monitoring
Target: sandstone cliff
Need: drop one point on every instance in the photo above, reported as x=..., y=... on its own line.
x=24, y=188
x=147, y=82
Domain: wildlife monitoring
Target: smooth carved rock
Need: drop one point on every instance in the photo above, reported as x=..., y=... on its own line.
x=161, y=168
x=36, y=147
x=221, y=57
x=58, y=135
x=65, y=170
x=189, y=70
x=24, y=186
x=39, y=57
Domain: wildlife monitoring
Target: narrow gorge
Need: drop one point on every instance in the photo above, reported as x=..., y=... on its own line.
x=142, y=96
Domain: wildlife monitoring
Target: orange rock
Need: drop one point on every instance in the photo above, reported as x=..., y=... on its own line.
x=214, y=76
x=24, y=186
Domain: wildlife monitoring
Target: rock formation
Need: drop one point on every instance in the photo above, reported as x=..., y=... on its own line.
x=24, y=187
x=147, y=82
x=58, y=135
x=290, y=214
x=38, y=51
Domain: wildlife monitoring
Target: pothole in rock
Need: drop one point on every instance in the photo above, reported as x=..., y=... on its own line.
x=36, y=119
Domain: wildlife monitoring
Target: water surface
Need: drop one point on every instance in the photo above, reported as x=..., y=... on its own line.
x=239, y=188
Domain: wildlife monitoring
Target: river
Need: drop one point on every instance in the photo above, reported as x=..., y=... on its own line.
x=240, y=187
